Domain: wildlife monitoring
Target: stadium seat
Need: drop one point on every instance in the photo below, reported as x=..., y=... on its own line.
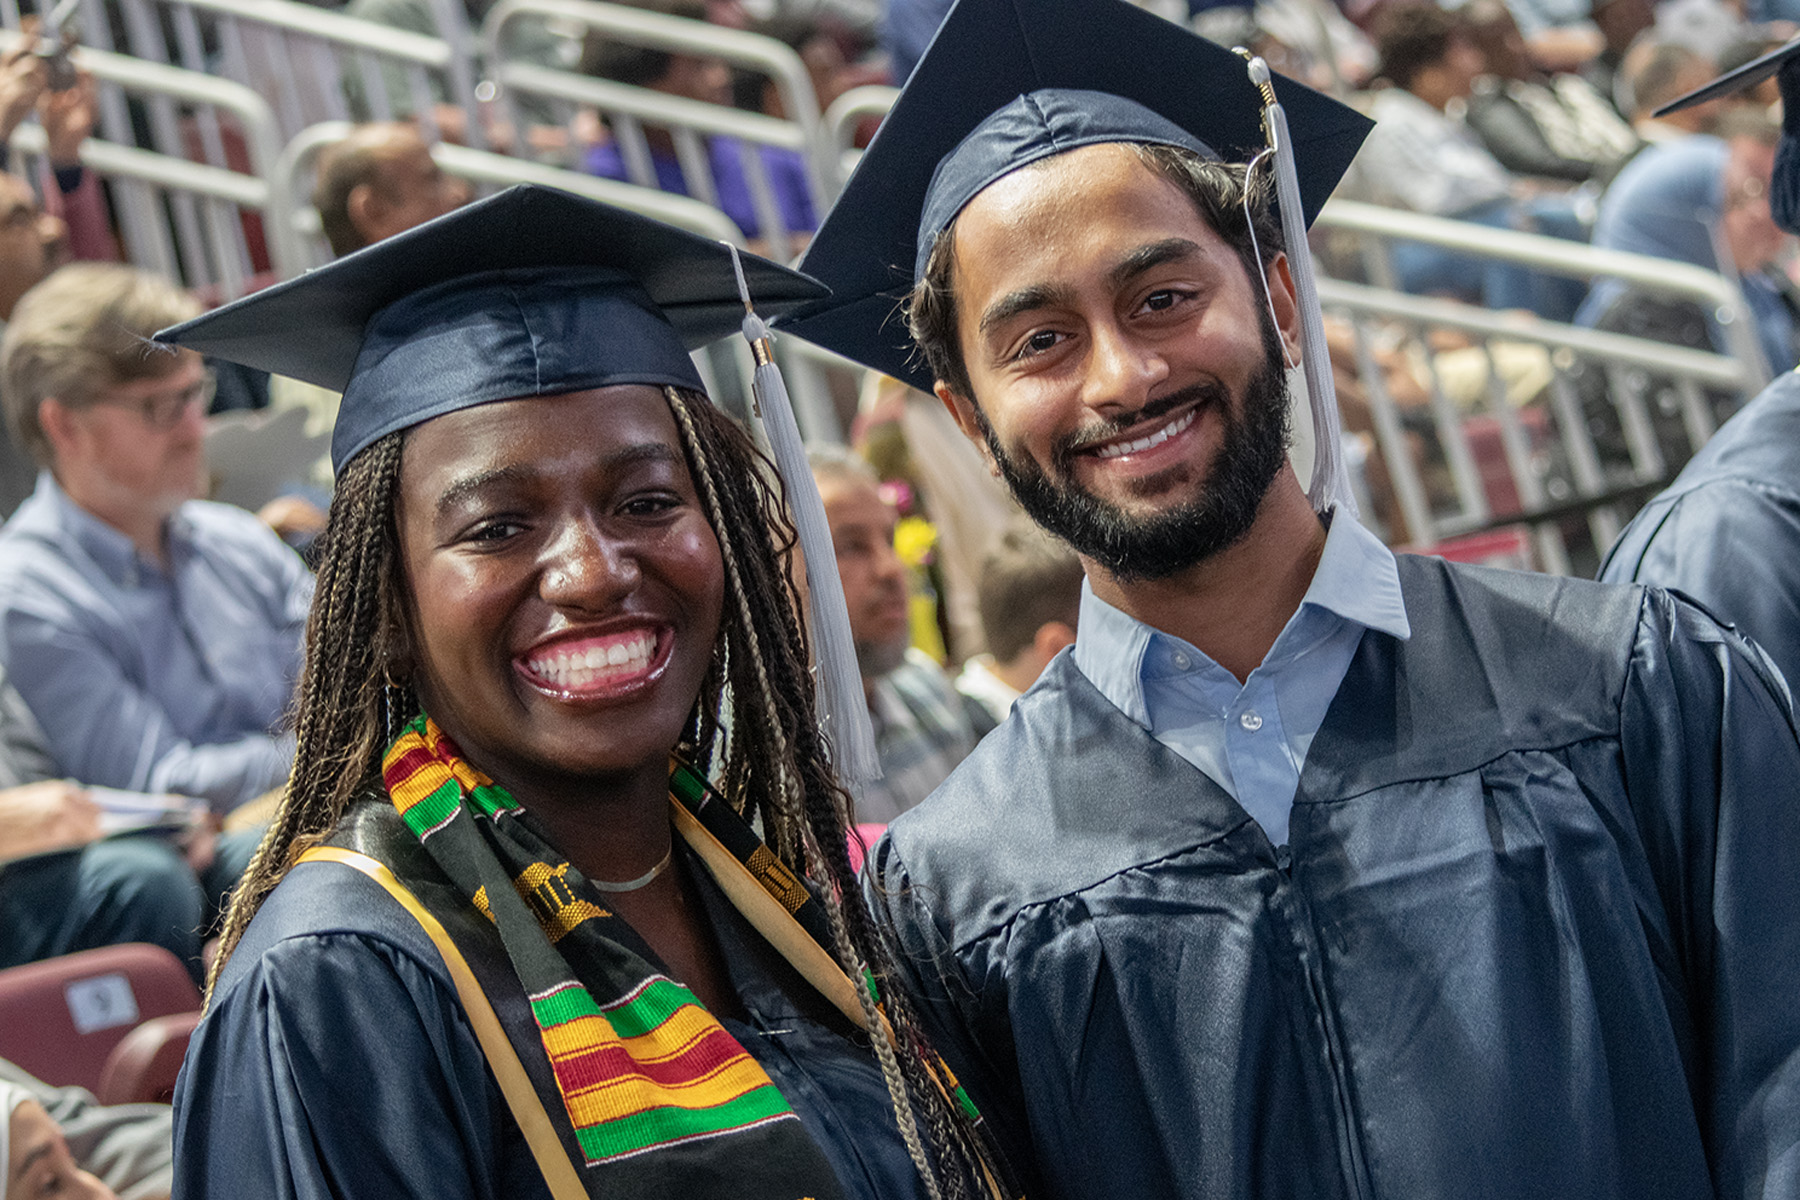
x=61, y=1018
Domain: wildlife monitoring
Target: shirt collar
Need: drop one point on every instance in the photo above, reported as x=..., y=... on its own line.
x=1356, y=580
x=114, y=553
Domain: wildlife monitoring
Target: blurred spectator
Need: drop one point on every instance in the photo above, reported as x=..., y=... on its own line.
x=527, y=40
x=708, y=81
x=906, y=31
x=127, y=1147
x=379, y=181
x=1030, y=600
x=1701, y=200
x=1553, y=126
x=1655, y=72
x=35, y=1155
x=922, y=727
x=156, y=638
x=32, y=240
x=1421, y=157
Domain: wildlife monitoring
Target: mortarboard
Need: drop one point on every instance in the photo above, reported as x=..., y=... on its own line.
x=1008, y=82
x=529, y=292
x=537, y=292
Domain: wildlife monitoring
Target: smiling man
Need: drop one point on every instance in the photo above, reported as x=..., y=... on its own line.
x=1310, y=872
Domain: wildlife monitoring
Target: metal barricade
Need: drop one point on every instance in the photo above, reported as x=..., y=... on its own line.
x=193, y=213
x=1563, y=430
x=847, y=114
x=309, y=63
x=629, y=110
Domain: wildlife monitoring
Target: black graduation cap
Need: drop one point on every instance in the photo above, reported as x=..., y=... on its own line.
x=1736, y=80
x=531, y=292
x=1088, y=70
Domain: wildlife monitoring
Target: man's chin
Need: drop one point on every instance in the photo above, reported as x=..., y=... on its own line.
x=875, y=659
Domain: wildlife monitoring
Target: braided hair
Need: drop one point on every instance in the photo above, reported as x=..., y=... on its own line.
x=354, y=696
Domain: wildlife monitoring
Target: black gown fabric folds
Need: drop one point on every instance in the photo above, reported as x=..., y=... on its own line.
x=1727, y=531
x=336, y=1061
x=1536, y=932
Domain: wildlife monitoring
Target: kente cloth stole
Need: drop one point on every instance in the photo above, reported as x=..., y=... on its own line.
x=650, y=1080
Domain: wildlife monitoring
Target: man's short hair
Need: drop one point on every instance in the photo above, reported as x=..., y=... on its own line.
x=637, y=66
x=1028, y=580
x=1653, y=73
x=1217, y=191
x=1748, y=123
x=345, y=166
x=78, y=334
x=1411, y=37
x=839, y=463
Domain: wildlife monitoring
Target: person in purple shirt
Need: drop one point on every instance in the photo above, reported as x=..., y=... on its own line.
x=155, y=637
x=728, y=160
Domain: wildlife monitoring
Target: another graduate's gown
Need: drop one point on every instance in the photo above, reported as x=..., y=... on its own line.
x=1727, y=531
x=336, y=1060
x=1536, y=932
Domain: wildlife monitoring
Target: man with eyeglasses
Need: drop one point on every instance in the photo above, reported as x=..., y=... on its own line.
x=154, y=636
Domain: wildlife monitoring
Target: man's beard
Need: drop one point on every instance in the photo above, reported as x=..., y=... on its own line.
x=875, y=659
x=1160, y=545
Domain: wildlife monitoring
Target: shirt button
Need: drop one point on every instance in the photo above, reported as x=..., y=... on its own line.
x=1182, y=661
x=1250, y=721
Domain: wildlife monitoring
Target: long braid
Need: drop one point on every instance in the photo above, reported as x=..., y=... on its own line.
x=339, y=724
x=805, y=811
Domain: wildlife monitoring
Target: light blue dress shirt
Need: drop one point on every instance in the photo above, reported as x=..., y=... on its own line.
x=154, y=680
x=1250, y=738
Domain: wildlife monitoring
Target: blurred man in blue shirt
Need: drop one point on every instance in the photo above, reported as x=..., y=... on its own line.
x=154, y=636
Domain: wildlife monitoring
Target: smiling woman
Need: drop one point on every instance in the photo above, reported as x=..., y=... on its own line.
x=513, y=932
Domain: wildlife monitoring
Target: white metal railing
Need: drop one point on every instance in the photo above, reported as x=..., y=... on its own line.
x=1626, y=390
x=1715, y=293
x=628, y=110
x=847, y=114
x=182, y=207
x=309, y=63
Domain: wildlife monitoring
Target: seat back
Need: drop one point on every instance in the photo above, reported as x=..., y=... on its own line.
x=61, y=1018
x=141, y=1069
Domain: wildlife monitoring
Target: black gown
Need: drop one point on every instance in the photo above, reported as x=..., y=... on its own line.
x=336, y=1060
x=1536, y=932
x=1727, y=531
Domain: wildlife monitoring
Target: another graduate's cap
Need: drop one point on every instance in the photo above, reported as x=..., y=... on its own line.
x=532, y=292
x=1004, y=84
x=1735, y=80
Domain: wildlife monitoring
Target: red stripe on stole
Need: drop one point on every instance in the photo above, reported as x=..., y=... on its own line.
x=608, y=1064
x=410, y=763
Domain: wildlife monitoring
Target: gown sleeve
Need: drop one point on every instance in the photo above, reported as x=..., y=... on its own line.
x=339, y=1066
x=1712, y=767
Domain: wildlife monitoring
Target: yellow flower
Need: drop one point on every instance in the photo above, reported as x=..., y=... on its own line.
x=914, y=538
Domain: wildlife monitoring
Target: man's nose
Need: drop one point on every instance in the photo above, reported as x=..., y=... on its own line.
x=585, y=569
x=1121, y=370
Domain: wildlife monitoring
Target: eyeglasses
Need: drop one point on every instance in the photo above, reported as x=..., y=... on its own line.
x=164, y=410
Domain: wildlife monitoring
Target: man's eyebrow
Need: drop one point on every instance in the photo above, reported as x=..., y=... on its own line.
x=1146, y=258
x=1038, y=295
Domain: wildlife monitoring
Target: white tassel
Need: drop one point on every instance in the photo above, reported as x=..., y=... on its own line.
x=843, y=708
x=1330, y=486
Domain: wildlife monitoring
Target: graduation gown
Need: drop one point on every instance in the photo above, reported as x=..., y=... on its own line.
x=1727, y=531
x=336, y=1060
x=1536, y=931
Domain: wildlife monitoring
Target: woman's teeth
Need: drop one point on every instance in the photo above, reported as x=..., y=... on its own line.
x=1154, y=438
x=589, y=663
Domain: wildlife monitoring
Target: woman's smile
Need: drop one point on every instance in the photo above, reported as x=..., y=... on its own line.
x=564, y=585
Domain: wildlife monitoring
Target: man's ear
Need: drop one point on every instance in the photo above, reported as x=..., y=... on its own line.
x=962, y=411
x=57, y=422
x=1286, y=309
x=365, y=208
